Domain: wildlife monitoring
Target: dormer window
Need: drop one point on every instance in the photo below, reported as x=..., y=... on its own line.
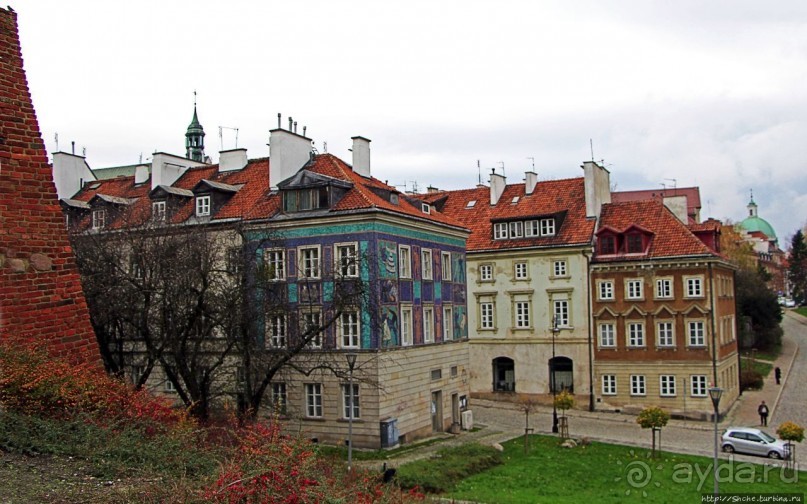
x=203, y=206
x=99, y=218
x=547, y=227
x=516, y=229
x=158, y=211
x=393, y=198
x=425, y=208
x=302, y=200
x=634, y=243
x=607, y=245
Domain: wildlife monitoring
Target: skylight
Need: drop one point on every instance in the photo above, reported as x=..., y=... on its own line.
x=470, y=204
x=515, y=200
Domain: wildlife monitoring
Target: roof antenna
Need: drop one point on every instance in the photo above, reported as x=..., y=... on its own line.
x=325, y=147
x=533, y=162
x=194, y=98
x=504, y=174
x=56, y=136
x=278, y=121
x=479, y=169
x=591, y=145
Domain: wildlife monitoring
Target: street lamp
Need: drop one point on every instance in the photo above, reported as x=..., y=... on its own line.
x=714, y=394
x=351, y=363
x=555, y=332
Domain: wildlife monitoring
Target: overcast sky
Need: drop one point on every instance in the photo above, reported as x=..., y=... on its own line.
x=688, y=92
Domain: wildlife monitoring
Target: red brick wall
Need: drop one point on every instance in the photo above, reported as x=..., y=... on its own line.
x=40, y=291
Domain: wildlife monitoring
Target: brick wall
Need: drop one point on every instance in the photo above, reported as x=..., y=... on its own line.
x=40, y=292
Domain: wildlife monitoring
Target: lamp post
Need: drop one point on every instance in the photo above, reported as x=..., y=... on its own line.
x=714, y=394
x=351, y=363
x=555, y=331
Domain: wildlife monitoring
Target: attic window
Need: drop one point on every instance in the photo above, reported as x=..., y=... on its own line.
x=470, y=204
x=425, y=208
x=634, y=243
x=202, y=206
x=98, y=218
x=393, y=198
x=607, y=245
x=515, y=200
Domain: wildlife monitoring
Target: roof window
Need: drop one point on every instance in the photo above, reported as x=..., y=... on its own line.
x=470, y=204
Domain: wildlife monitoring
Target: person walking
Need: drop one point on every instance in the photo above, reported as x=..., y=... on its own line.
x=763, y=414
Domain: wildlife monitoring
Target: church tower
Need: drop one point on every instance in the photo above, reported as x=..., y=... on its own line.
x=195, y=137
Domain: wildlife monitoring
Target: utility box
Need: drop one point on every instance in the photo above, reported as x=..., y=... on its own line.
x=389, y=433
x=467, y=420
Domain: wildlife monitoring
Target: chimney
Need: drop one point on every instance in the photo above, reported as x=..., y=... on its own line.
x=432, y=190
x=678, y=206
x=69, y=171
x=598, y=187
x=288, y=152
x=141, y=173
x=167, y=168
x=233, y=159
x=361, y=155
x=530, y=181
x=497, y=185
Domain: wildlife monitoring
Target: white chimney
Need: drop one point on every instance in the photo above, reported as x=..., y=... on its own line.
x=69, y=173
x=678, y=206
x=288, y=152
x=361, y=156
x=497, y=185
x=141, y=173
x=167, y=168
x=598, y=187
x=530, y=181
x=233, y=159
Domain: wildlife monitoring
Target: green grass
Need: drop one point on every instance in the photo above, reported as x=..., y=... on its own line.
x=762, y=368
x=442, y=472
x=605, y=473
x=765, y=355
x=341, y=451
x=802, y=311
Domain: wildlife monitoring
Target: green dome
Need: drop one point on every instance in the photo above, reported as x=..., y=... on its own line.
x=756, y=223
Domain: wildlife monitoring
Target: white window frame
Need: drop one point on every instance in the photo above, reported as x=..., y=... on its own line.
x=276, y=263
x=634, y=289
x=404, y=261
x=560, y=268
x=532, y=228
x=406, y=326
x=666, y=385
x=158, y=211
x=99, y=218
x=664, y=288
x=520, y=271
x=521, y=314
x=349, y=330
x=426, y=264
x=500, y=231
x=279, y=397
x=516, y=229
x=313, y=400
x=486, y=273
x=310, y=260
x=665, y=333
x=606, y=332
x=346, y=266
x=696, y=333
x=203, y=205
x=561, y=311
x=445, y=263
x=638, y=385
x=547, y=227
x=487, y=315
x=605, y=290
x=346, y=401
x=448, y=323
x=277, y=331
x=698, y=385
x=608, y=385
x=428, y=324
x=693, y=287
x=636, y=334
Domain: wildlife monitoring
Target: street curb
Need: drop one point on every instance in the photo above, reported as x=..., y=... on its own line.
x=789, y=368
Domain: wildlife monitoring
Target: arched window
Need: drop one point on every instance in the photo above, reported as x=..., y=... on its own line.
x=504, y=375
x=561, y=374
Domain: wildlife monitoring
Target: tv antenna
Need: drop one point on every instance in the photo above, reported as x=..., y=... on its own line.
x=479, y=169
x=503, y=172
x=591, y=146
x=56, y=137
x=221, y=135
x=533, y=162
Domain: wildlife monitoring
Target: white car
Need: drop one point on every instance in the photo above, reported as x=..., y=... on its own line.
x=789, y=303
x=753, y=442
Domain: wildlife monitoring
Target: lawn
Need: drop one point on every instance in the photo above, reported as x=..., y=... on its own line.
x=765, y=355
x=802, y=311
x=604, y=473
x=763, y=368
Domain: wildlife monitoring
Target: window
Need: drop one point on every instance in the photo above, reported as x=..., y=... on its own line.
x=664, y=288
x=694, y=287
x=445, y=260
x=486, y=273
x=448, y=323
x=312, y=329
x=453, y=371
x=608, y=384
x=531, y=228
x=426, y=264
x=279, y=400
x=276, y=329
x=486, y=315
x=516, y=229
x=347, y=260
x=313, y=400
x=349, y=330
x=99, y=218
x=521, y=270
x=350, y=401
x=664, y=332
x=607, y=245
x=305, y=199
x=547, y=227
x=276, y=264
x=637, y=385
x=636, y=334
x=158, y=210
x=470, y=204
x=406, y=325
x=634, y=243
x=559, y=268
x=500, y=231
x=202, y=206
x=234, y=260
x=425, y=208
x=634, y=288
x=169, y=386
x=309, y=262
x=522, y=314
x=561, y=312
x=428, y=325
x=667, y=385
x=436, y=374
x=607, y=335
x=698, y=385
x=404, y=261
x=695, y=331
x=605, y=290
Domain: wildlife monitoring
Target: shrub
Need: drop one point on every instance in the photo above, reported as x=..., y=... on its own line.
x=442, y=472
x=790, y=431
x=564, y=401
x=750, y=379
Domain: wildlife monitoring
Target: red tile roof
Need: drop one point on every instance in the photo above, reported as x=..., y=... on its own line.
x=670, y=237
x=693, y=195
x=565, y=198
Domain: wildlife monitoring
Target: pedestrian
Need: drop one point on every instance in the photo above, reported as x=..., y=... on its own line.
x=763, y=414
x=778, y=373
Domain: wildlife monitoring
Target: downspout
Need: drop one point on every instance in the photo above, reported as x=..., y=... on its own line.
x=712, y=323
x=590, y=344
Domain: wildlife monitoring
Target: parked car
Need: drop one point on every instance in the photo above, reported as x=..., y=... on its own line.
x=753, y=442
x=789, y=303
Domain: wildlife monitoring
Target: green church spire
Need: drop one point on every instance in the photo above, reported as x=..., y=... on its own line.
x=195, y=137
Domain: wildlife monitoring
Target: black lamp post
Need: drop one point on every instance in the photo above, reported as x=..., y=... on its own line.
x=555, y=332
x=351, y=362
x=714, y=394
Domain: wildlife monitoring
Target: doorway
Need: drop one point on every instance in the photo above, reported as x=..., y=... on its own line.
x=437, y=411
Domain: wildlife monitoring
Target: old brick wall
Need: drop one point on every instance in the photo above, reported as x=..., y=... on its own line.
x=40, y=291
